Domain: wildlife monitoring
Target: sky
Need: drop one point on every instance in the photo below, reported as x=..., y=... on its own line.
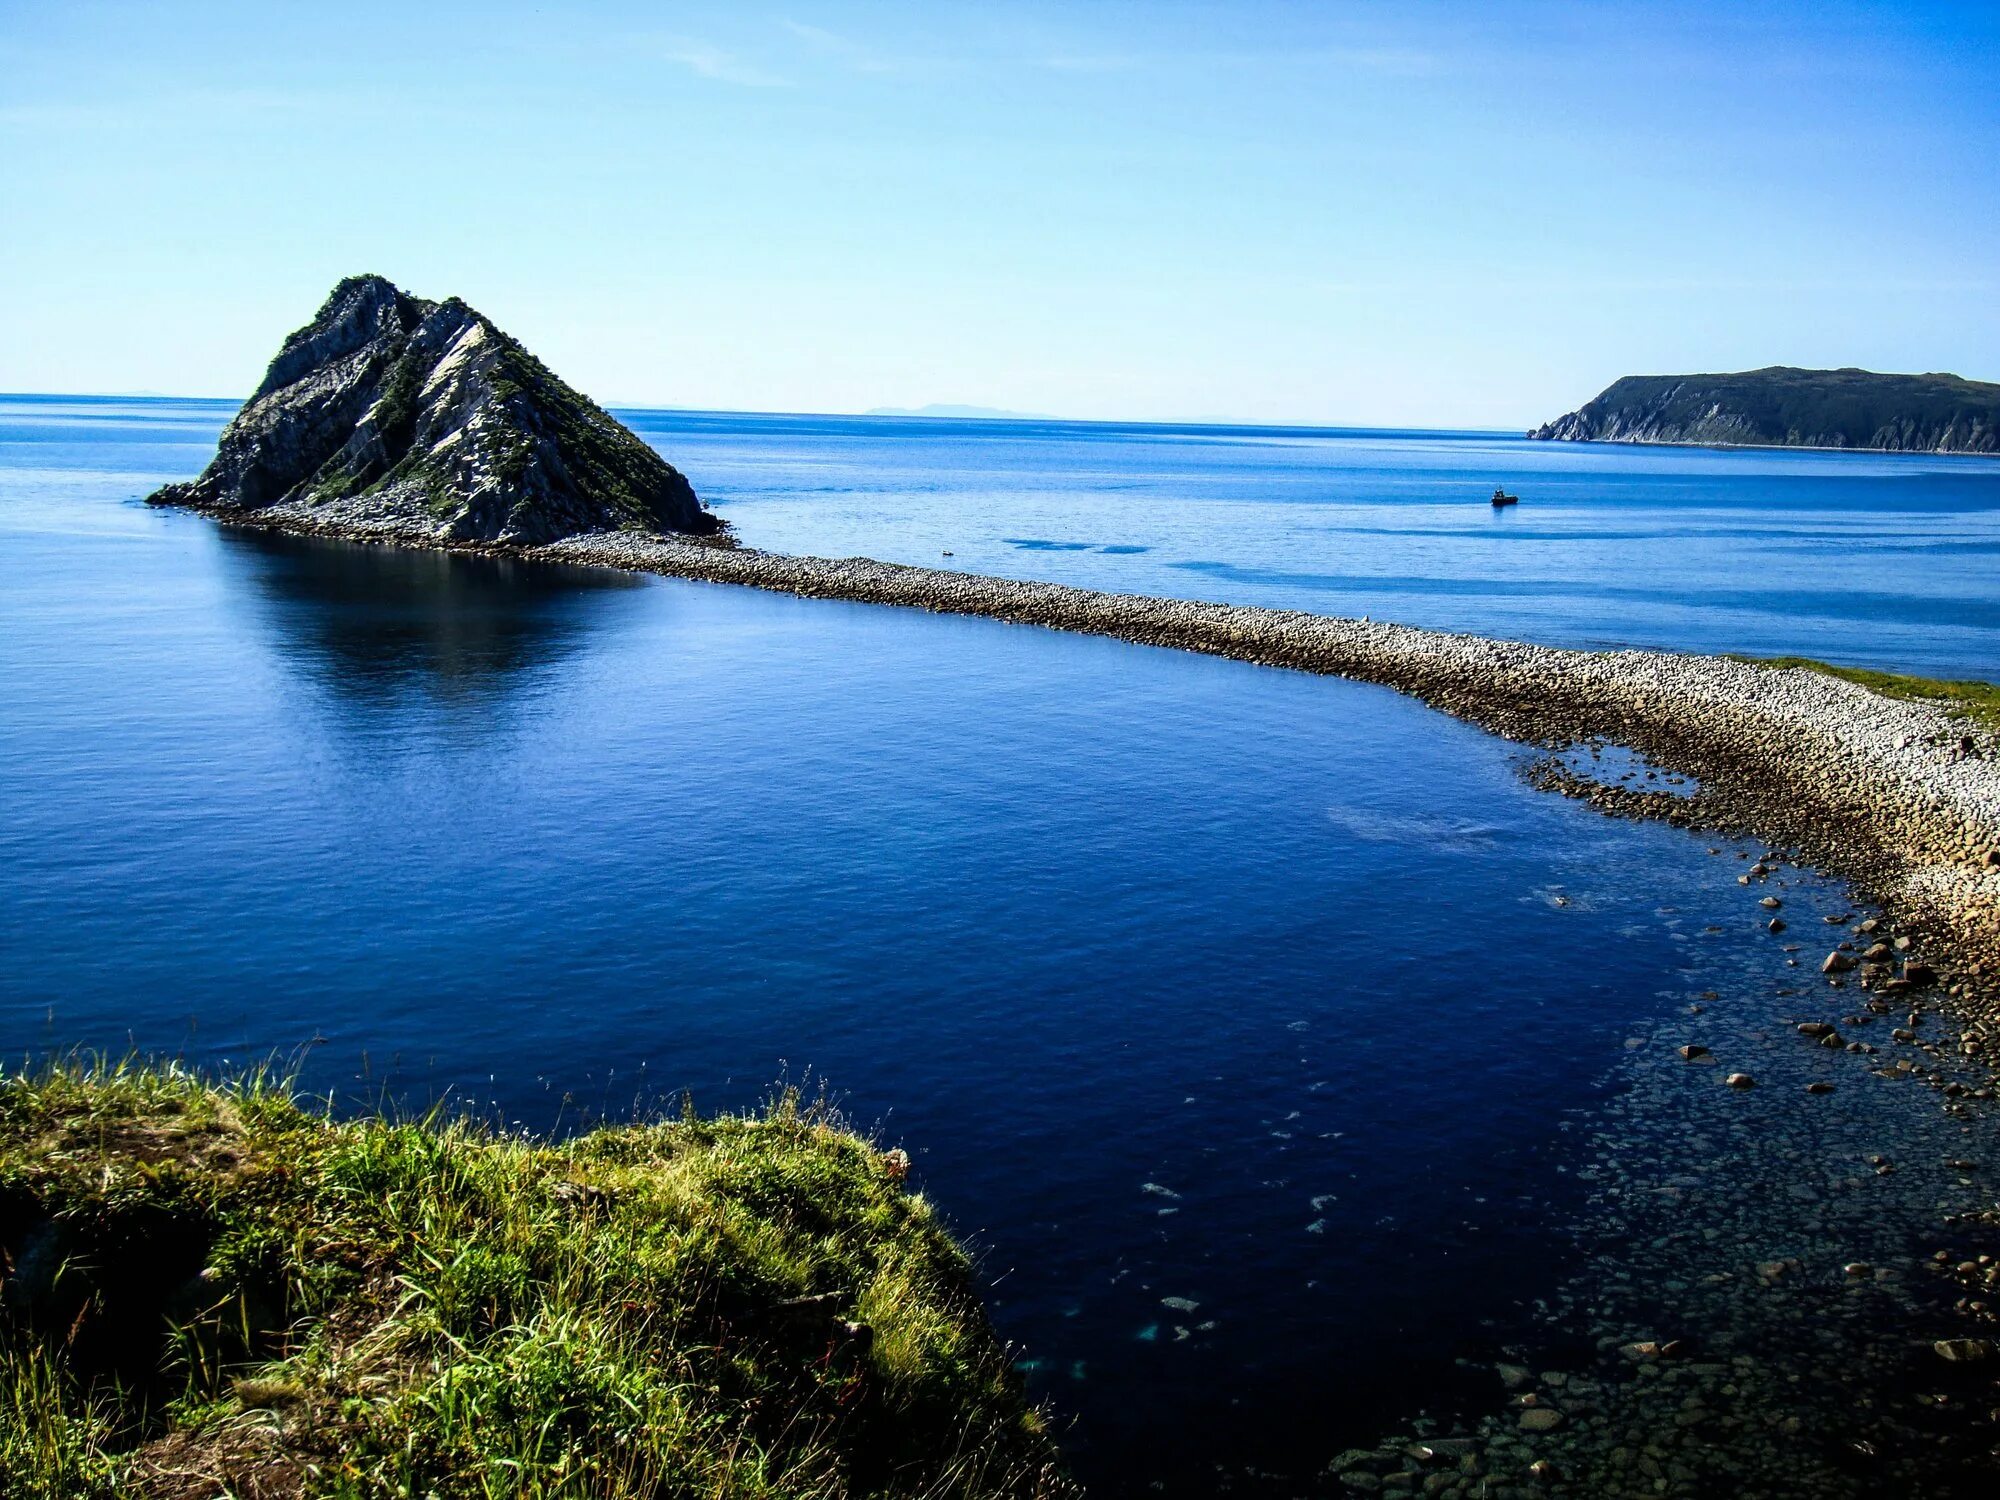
x=1399, y=214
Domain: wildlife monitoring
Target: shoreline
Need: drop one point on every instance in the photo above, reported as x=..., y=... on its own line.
x=1899, y=798
x=1637, y=442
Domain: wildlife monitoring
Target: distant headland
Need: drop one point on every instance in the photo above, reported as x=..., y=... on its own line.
x=392, y=414
x=1782, y=407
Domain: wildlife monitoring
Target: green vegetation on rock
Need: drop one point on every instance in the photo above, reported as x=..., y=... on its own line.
x=215, y=1289
x=1785, y=407
x=389, y=414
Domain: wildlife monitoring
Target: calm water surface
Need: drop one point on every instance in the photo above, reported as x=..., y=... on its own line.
x=1251, y=1024
x=1882, y=560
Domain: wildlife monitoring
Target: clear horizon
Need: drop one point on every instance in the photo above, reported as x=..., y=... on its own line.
x=898, y=416
x=1443, y=216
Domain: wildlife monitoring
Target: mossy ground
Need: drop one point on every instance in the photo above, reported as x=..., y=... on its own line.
x=215, y=1289
x=1979, y=701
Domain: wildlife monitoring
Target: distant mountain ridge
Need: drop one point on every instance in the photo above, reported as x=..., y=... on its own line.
x=391, y=415
x=1783, y=407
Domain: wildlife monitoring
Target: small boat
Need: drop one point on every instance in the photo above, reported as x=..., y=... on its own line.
x=1501, y=497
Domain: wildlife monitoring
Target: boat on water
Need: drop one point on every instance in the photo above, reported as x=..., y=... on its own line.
x=1501, y=497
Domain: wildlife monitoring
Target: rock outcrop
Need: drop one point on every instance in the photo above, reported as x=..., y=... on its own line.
x=392, y=416
x=1784, y=407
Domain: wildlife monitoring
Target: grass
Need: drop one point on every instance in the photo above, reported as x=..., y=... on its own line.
x=1979, y=701
x=212, y=1288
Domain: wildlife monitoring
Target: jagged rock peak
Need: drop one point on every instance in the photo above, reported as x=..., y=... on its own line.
x=391, y=415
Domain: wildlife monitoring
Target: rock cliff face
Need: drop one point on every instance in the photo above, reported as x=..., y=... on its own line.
x=1784, y=407
x=388, y=415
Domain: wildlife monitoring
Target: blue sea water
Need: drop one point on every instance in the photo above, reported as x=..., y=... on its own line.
x=1247, y=1022
x=1880, y=560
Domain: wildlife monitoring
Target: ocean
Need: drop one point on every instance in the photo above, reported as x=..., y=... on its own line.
x=1266, y=1035
x=1867, y=559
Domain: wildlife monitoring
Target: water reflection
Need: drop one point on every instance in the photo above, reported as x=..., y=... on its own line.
x=383, y=625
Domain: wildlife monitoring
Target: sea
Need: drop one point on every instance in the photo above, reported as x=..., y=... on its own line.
x=1271, y=1041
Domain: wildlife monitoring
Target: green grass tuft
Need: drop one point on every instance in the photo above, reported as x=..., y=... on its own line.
x=1979, y=701
x=215, y=1279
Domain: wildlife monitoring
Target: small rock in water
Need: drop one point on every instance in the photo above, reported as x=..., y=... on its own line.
x=1837, y=963
x=1776, y=924
x=1693, y=1050
x=1964, y=1351
x=1541, y=1419
x=1740, y=1081
x=1770, y=901
x=1814, y=1028
x=1819, y=1088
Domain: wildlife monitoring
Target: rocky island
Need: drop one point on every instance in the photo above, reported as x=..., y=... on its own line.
x=394, y=417
x=1781, y=407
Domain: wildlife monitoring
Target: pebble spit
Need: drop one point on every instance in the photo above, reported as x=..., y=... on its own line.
x=1900, y=798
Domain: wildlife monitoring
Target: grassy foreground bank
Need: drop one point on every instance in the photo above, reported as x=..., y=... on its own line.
x=212, y=1289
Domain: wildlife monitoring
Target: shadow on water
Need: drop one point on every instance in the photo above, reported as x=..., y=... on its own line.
x=381, y=625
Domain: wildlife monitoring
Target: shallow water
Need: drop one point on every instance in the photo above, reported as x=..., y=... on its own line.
x=1257, y=1027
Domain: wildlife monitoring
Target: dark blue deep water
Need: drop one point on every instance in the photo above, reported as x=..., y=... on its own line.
x=1243, y=1019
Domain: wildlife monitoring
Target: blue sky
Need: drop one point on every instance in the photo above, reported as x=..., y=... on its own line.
x=1422, y=214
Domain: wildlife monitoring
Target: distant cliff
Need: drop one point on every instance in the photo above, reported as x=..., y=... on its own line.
x=390, y=415
x=1788, y=408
